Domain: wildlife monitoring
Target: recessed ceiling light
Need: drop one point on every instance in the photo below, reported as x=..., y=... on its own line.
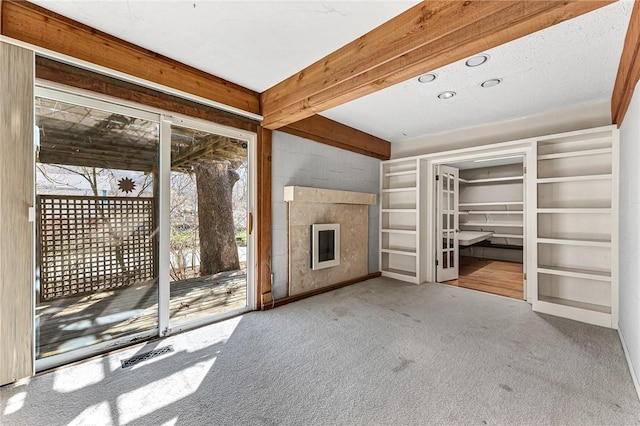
x=476, y=61
x=446, y=95
x=427, y=78
x=491, y=83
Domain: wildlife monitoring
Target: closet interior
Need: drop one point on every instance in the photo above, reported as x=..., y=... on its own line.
x=491, y=200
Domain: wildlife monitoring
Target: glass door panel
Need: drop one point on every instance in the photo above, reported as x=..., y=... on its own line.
x=447, y=223
x=209, y=205
x=96, y=216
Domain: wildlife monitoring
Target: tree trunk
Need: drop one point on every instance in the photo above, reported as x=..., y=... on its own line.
x=218, y=249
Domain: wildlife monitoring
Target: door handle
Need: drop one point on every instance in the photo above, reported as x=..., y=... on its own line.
x=250, y=224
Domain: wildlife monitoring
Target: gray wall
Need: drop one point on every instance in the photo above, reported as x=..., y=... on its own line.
x=629, y=252
x=301, y=162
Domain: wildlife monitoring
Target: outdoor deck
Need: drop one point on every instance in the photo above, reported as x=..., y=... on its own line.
x=70, y=323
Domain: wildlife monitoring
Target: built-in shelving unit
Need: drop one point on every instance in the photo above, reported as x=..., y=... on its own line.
x=492, y=199
x=560, y=217
x=577, y=227
x=400, y=223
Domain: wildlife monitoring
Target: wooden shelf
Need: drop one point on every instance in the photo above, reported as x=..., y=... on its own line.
x=485, y=212
x=575, y=304
x=493, y=224
x=570, y=154
x=409, y=231
x=573, y=145
x=571, y=242
x=402, y=189
x=398, y=210
x=495, y=203
x=584, y=178
x=518, y=237
x=492, y=180
x=584, y=312
x=399, y=250
x=579, y=210
x=575, y=273
x=400, y=272
x=403, y=173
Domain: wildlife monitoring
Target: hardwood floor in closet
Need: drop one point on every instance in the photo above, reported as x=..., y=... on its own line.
x=490, y=276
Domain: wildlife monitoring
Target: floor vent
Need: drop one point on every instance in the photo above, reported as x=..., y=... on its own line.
x=145, y=356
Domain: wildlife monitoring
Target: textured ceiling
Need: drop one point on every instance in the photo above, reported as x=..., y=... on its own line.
x=572, y=63
x=255, y=44
x=260, y=43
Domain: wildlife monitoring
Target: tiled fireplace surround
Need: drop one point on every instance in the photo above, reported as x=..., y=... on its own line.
x=307, y=206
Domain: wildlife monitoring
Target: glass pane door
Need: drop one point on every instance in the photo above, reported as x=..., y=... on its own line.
x=447, y=219
x=209, y=205
x=96, y=216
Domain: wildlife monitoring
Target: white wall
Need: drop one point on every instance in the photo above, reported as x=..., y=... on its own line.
x=629, y=258
x=301, y=162
x=547, y=123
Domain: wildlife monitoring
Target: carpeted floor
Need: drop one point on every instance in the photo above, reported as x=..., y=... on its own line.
x=378, y=352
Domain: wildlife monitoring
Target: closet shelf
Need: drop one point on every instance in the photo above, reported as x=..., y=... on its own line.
x=574, y=178
x=484, y=212
x=518, y=237
x=409, y=231
x=398, y=210
x=493, y=224
x=570, y=154
x=403, y=173
x=492, y=180
x=493, y=203
x=573, y=242
x=580, y=210
x=403, y=189
x=575, y=273
x=399, y=250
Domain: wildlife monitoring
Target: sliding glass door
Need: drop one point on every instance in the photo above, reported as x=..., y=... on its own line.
x=142, y=225
x=209, y=214
x=96, y=216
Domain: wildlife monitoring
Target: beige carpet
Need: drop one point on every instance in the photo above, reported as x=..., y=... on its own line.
x=379, y=352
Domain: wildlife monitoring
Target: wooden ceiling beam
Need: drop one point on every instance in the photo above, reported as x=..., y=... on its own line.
x=329, y=132
x=428, y=36
x=33, y=24
x=628, y=70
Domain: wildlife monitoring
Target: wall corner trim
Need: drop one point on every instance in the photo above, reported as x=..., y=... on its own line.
x=632, y=370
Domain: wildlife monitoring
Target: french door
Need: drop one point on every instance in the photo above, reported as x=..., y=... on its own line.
x=142, y=225
x=447, y=223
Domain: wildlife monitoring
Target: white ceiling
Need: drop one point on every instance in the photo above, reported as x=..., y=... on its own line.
x=255, y=44
x=572, y=63
x=260, y=43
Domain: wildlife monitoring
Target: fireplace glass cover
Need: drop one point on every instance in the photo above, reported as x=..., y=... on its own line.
x=325, y=245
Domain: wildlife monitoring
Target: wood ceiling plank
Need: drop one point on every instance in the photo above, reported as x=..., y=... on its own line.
x=68, y=75
x=38, y=26
x=426, y=37
x=628, y=70
x=329, y=132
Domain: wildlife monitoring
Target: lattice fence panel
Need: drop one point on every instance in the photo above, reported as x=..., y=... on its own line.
x=92, y=244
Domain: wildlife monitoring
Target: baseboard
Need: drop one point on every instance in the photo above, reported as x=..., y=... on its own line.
x=634, y=377
x=291, y=299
